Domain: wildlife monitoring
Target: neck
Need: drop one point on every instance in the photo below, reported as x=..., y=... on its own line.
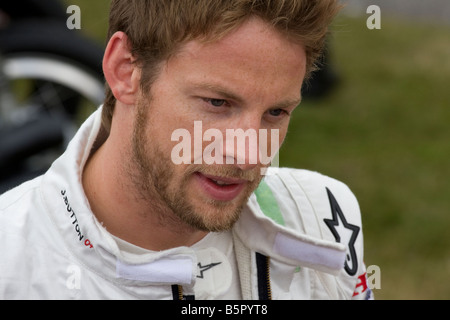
x=117, y=203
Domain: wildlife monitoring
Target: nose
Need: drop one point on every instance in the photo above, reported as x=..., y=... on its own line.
x=243, y=142
x=241, y=148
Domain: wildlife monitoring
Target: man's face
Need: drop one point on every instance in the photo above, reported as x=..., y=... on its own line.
x=249, y=80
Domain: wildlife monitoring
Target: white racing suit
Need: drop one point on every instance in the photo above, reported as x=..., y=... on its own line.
x=299, y=237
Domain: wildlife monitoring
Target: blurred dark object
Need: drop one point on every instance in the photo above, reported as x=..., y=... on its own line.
x=27, y=9
x=58, y=72
x=24, y=142
x=322, y=81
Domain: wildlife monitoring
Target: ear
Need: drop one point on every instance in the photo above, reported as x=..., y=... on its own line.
x=122, y=75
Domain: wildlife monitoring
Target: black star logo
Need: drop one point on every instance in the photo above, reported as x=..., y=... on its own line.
x=205, y=268
x=344, y=233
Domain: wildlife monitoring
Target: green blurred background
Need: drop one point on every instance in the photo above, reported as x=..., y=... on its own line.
x=383, y=130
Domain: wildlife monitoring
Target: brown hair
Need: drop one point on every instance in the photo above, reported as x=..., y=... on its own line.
x=157, y=28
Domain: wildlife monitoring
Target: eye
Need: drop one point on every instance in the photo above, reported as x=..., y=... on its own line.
x=216, y=102
x=277, y=112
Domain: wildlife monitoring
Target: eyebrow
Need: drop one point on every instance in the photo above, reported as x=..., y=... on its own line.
x=226, y=94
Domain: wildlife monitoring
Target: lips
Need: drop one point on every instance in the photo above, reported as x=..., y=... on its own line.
x=220, y=188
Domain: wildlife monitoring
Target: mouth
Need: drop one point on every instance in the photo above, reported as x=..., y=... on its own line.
x=220, y=188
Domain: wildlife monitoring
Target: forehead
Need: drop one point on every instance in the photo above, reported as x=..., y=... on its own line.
x=255, y=40
x=254, y=57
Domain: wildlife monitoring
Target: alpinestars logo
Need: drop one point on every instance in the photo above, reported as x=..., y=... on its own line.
x=344, y=233
x=205, y=268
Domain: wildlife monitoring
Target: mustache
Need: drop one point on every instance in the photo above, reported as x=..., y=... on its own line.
x=226, y=171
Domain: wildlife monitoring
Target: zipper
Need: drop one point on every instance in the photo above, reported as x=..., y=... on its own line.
x=263, y=274
x=177, y=293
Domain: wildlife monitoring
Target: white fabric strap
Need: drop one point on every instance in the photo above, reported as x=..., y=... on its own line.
x=166, y=270
x=308, y=254
x=243, y=258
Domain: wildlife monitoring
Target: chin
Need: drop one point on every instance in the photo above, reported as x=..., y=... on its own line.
x=214, y=216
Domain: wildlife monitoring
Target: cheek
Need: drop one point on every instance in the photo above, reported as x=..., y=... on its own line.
x=162, y=128
x=275, y=138
x=282, y=136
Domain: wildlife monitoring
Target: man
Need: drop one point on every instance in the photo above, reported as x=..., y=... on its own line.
x=128, y=212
